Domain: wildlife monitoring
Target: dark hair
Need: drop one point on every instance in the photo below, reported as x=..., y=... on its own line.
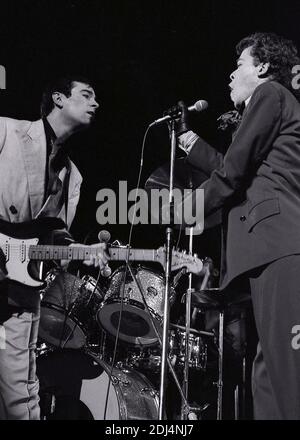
x=63, y=85
x=280, y=53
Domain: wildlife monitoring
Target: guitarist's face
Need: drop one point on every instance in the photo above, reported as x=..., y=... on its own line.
x=78, y=110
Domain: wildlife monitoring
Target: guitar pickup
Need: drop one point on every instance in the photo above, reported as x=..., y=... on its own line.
x=23, y=252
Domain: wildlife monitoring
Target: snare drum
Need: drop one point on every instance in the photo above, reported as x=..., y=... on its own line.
x=136, y=325
x=68, y=308
x=197, y=349
x=149, y=358
x=74, y=386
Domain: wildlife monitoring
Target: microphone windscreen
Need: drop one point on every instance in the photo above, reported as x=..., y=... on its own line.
x=106, y=272
x=104, y=236
x=201, y=105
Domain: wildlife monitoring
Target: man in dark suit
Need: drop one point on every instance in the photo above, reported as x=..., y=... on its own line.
x=37, y=179
x=257, y=186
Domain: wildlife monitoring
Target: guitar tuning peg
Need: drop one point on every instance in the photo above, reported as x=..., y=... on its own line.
x=195, y=255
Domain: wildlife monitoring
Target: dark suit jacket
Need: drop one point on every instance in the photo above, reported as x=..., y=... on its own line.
x=256, y=183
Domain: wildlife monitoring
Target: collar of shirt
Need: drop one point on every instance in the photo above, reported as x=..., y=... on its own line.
x=53, y=147
x=49, y=132
x=247, y=101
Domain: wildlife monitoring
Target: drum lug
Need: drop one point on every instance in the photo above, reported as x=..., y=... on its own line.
x=150, y=391
x=126, y=383
x=115, y=380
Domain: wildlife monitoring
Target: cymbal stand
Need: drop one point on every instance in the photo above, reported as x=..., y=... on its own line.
x=188, y=299
x=220, y=365
x=187, y=408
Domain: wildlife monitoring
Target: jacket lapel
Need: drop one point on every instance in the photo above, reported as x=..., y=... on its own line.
x=34, y=156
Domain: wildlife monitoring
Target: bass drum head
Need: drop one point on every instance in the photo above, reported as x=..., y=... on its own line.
x=136, y=325
x=74, y=386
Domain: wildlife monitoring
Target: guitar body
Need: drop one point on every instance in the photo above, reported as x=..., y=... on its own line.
x=15, y=240
x=17, y=259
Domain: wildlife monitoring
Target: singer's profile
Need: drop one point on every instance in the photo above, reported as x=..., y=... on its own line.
x=257, y=186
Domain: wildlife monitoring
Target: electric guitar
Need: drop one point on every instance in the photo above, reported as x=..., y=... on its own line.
x=19, y=244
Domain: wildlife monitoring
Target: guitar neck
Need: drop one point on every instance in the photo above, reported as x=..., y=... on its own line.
x=41, y=252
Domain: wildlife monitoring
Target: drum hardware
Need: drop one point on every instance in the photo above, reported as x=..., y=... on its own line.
x=220, y=363
x=149, y=391
x=152, y=317
x=194, y=412
x=140, y=287
x=188, y=359
x=68, y=309
x=212, y=299
x=236, y=403
x=192, y=330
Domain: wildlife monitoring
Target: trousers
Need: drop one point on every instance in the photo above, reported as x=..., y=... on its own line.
x=19, y=387
x=275, y=291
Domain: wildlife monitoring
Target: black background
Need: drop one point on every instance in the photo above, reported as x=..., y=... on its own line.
x=142, y=57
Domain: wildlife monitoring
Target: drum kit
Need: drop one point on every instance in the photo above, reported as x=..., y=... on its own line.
x=102, y=342
x=99, y=355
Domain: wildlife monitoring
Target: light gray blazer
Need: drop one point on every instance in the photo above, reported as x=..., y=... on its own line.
x=22, y=172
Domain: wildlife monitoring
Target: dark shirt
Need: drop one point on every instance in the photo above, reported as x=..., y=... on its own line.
x=56, y=160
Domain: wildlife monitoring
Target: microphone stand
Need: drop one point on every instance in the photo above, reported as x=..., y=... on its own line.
x=169, y=243
x=185, y=409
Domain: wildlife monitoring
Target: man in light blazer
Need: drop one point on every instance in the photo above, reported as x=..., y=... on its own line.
x=257, y=186
x=37, y=179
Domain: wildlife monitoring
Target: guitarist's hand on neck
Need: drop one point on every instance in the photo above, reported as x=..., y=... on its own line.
x=99, y=259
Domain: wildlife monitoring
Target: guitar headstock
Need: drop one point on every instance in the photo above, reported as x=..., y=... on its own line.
x=181, y=259
x=192, y=263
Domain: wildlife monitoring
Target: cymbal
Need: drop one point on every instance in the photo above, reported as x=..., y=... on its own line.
x=209, y=299
x=212, y=299
x=185, y=177
x=192, y=330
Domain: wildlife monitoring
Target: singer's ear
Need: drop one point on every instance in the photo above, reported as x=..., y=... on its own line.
x=57, y=99
x=263, y=70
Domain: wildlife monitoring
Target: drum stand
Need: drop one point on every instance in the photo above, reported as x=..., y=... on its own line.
x=188, y=409
x=220, y=365
x=185, y=411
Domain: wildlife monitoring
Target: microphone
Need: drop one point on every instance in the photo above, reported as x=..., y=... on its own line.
x=199, y=106
x=106, y=272
x=104, y=236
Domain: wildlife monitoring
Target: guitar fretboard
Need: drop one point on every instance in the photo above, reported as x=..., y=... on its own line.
x=41, y=252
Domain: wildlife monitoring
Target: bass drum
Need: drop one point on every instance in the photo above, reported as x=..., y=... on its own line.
x=74, y=386
x=136, y=325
